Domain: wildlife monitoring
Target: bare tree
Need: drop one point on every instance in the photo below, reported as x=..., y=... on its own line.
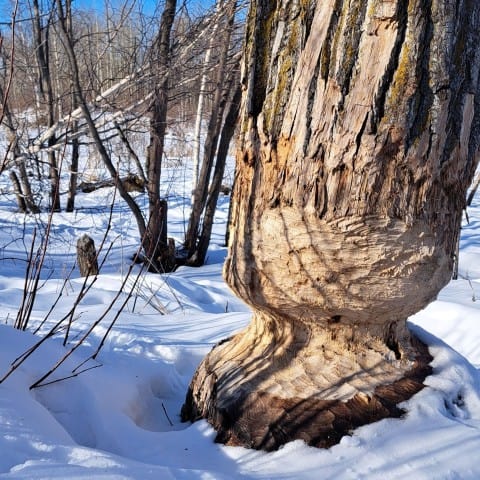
x=75, y=143
x=223, y=87
x=155, y=242
x=359, y=137
x=15, y=161
x=87, y=116
x=41, y=34
x=197, y=134
x=226, y=136
x=105, y=78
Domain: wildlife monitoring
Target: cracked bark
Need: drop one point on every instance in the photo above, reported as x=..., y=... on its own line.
x=359, y=138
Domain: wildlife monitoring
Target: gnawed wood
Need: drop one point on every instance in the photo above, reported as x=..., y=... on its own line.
x=280, y=380
x=359, y=137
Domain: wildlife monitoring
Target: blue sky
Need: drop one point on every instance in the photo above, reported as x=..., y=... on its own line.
x=147, y=6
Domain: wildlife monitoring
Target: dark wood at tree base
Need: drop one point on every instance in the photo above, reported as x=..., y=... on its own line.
x=263, y=421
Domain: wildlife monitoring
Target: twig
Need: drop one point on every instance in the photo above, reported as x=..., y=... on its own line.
x=19, y=319
x=52, y=308
x=39, y=382
x=70, y=376
x=166, y=414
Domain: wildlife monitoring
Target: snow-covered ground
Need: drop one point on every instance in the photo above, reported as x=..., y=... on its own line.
x=121, y=420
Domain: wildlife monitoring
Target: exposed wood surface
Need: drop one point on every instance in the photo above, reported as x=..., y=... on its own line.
x=261, y=392
x=359, y=138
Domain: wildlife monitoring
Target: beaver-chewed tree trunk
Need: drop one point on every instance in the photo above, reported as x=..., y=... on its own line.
x=359, y=135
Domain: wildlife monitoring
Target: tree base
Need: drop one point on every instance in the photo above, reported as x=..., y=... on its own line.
x=263, y=396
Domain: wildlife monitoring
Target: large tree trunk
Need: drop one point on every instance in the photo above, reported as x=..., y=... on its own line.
x=359, y=139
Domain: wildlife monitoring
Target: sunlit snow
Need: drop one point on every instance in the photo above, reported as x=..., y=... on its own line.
x=120, y=420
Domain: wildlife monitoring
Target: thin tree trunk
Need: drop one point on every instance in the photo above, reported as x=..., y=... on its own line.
x=26, y=187
x=201, y=97
x=75, y=145
x=360, y=134
x=57, y=77
x=228, y=129
x=155, y=242
x=72, y=183
x=42, y=48
x=214, y=126
x=22, y=206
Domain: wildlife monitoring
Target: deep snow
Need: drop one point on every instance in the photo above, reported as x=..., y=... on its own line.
x=121, y=420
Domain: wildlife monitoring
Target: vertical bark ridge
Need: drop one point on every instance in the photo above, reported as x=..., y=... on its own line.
x=258, y=48
x=350, y=35
x=285, y=47
x=463, y=73
x=326, y=50
x=401, y=17
x=421, y=102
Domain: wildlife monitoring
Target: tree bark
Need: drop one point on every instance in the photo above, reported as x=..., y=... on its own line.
x=473, y=191
x=197, y=258
x=42, y=49
x=87, y=256
x=155, y=242
x=72, y=182
x=22, y=206
x=359, y=138
x=219, y=102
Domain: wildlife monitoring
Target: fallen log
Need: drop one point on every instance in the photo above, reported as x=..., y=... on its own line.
x=131, y=183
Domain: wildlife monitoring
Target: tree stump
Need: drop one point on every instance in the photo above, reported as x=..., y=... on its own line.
x=87, y=256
